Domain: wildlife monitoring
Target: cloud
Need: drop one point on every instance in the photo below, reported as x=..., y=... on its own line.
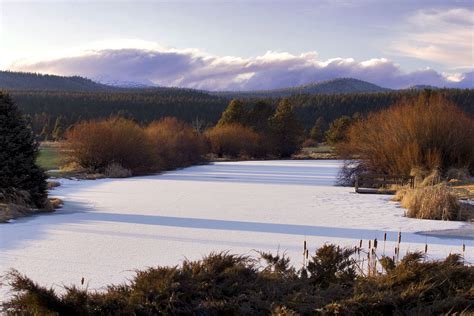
x=149, y=63
x=442, y=36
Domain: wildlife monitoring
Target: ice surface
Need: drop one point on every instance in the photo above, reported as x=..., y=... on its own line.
x=107, y=228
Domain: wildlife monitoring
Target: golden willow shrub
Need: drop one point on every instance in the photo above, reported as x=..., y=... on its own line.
x=115, y=146
x=175, y=144
x=233, y=140
x=428, y=133
x=94, y=145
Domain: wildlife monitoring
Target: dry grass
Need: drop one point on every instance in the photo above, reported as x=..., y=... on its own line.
x=437, y=202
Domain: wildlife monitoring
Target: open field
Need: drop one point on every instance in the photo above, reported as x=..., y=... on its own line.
x=110, y=227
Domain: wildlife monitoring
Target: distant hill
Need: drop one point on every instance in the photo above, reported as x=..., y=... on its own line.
x=31, y=81
x=335, y=86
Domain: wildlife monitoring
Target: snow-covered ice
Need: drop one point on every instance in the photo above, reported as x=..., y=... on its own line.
x=107, y=228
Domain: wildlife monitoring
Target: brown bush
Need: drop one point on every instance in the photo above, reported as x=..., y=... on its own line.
x=175, y=144
x=429, y=133
x=234, y=140
x=115, y=170
x=96, y=144
x=461, y=174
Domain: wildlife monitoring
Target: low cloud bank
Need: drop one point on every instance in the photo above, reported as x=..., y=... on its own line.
x=193, y=69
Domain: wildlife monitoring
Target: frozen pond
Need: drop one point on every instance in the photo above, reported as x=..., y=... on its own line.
x=110, y=227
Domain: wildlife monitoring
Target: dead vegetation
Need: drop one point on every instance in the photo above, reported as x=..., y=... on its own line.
x=225, y=284
x=434, y=197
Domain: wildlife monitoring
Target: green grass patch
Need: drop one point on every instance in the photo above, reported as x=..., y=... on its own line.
x=49, y=157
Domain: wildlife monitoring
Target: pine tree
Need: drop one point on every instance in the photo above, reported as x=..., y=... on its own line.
x=18, y=153
x=235, y=113
x=258, y=117
x=338, y=129
x=318, y=129
x=286, y=130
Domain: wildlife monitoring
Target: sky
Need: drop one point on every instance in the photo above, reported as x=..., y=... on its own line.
x=242, y=45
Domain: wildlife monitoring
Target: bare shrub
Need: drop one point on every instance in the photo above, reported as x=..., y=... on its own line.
x=96, y=144
x=431, y=202
x=115, y=170
x=233, y=140
x=174, y=144
x=428, y=133
x=461, y=174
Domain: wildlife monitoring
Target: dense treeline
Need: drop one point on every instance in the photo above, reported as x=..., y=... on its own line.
x=191, y=106
x=35, y=81
x=331, y=283
x=331, y=107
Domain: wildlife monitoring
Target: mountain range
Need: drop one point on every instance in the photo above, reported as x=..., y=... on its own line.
x=31, y=81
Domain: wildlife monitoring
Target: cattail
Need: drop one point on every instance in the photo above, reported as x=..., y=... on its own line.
x=463, y=247
x=396, y=249
x=399, y=237
x=307, y=254
x=385, y=237
x=360, y=244
x=304, y=246
x=375, y=243
x=426, y=248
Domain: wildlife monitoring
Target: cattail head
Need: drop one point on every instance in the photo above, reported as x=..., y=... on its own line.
x=463, y=247
x=304, y=245
x=360, y=244
x=399, y=237
x=307, y=253
x=375, y=243
x=385, y=237
x=426, y=248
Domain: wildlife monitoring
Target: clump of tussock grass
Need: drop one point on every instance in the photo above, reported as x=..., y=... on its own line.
x=225, y=284
x=431, y=202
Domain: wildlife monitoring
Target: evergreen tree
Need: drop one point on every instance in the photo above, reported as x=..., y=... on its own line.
x=58, y=130
x=337, y=130
x=258, y=117
x=317, y=131
x=235, y=113
x=286, y=131
x=18, y=152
